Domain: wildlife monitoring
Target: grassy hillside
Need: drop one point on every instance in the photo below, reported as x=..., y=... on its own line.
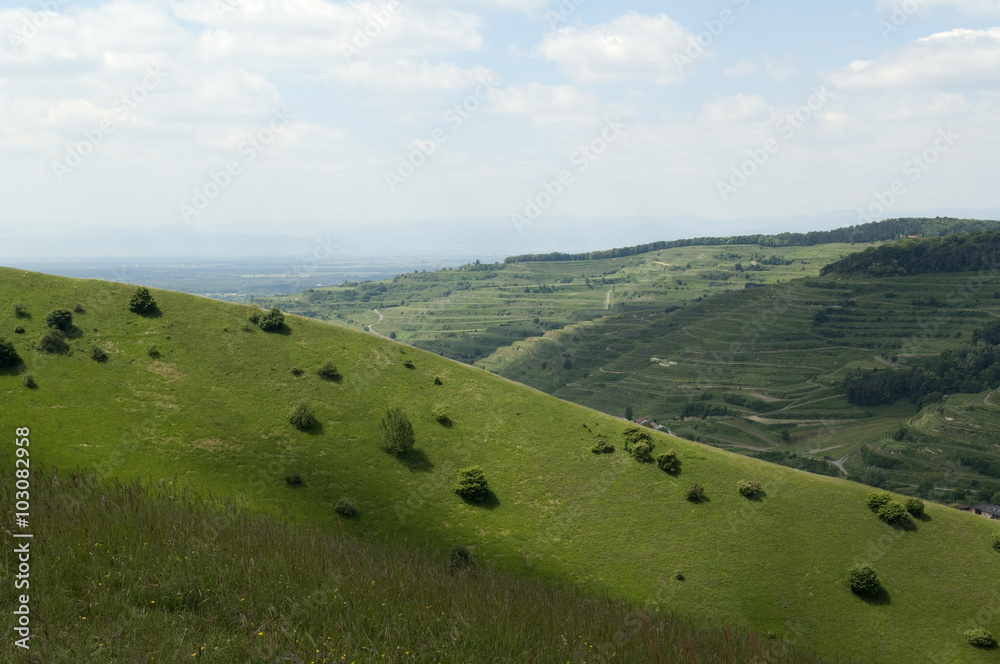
x=208, y=409
x=250, y=588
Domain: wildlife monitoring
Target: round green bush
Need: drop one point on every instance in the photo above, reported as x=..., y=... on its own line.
x=60, y=319
x=748, y=488
x=878, y=499
x=52, y=342
x=894, y=513
x=142, y=301
x=328, y=371
x=695, y=493
x=346, y=508
x=603, y=446
x=396, y=432
x=996, y=543
x=8, y=354
x=459, y=558
x=668, y=462
x=29, y=381
x=643, y=452
x=272, y=321
x=20, y=310
x=980, y=638
x=440, y=413
x=863, y=580
x=472, y=484
x=97, y=354
x=19, y=330
x=914, y=506
x=302, y=417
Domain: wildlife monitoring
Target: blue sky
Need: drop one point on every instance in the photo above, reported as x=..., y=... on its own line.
x=269, y=115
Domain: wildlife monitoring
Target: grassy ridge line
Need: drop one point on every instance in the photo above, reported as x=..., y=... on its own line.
x=150, y=574
x=211, y=412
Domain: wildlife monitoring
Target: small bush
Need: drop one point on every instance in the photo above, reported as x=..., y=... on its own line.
x=914, y=506
x=60, y=319
x=142, y=302
x=679, y=575
x=29, y=381
x=297, y=372
x=438, y=381
x=668, y=462
x=19, y=330
x=643, y=452
x=408, y=364
x=748, y=488
x=302, y=417
x=878, y=500
x=440, y=413
x=346, y=508
x=894, y=513
x=695, y=493
x=472, y=484
x=459, y=559
x=293, y=480
x=396, y=432
x=603, y=446
x=52, y=342
x=863, y=580
x=634, y=436
x=153, y=352
x=272, y=321
x=8, y=354
x=980, y=638
x=20, y=310
x=79, y=308
x=996, y=543
x=98, y=355
x=328, y=371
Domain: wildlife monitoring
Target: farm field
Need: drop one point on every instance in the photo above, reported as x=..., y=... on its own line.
x=195, y=396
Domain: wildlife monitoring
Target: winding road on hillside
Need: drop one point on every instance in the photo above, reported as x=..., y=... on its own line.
x=607, y=303
x=371, y=328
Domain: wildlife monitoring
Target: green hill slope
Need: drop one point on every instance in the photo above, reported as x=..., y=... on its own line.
x=208, y=409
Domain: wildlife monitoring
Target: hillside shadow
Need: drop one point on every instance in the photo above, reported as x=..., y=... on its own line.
x=152, y=313
x=758, y=497
x=925, y=517
x=11, y=371
x=491, y=502
x=446, y=422
x=417, y=461
x=73, y=332
x=881, y=598
x=315, y=429
x=907, y=525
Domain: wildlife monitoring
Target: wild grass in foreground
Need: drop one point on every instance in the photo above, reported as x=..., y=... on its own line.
x=134, y=573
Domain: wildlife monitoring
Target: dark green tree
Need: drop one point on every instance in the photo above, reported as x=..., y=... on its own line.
x=396, y=432
x=472, y=484
x=272, y=321
x=628, y=413
x=302, y=417
x=142, y=302
x=60, y=319
x=8, y=354
x=863, y=580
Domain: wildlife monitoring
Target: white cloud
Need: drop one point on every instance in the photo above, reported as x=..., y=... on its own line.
x=972, y=7
x=958, y=58
x=777, y=68
x=629, y=47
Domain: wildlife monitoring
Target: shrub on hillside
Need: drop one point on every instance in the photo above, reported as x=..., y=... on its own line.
x=19, y=330
x=914, y=506
x=153, y=352
x=996, y=543
x=396, y=432
x=438, y=381
x=643, y=452
x=634, y=436
x=60, y=319
x=8, y=354
x=863, y=580
x=748, y=488
x=440, y=413
x=695, y=493
x=297, y=372
x=142, y=302
x=472, y=484
x=459, y=559
x=409, y=364
x=328, y=371
x=302, y=417
x=294, y=480
x=346, y=508
x=29, y=381
x=878, y=500
x=893, y=513
x=980, y=638
x=52, y=342
x=20, y=310
x=79, y=308
x=97, y=354
x=603, y=446
x=271, y=321
x=668, y=462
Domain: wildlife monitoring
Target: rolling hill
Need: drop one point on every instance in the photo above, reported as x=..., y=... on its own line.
x=197, y=396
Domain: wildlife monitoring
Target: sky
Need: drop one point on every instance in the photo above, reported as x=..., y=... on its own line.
x=275, y=115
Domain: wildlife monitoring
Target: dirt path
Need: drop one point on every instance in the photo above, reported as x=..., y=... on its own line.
x=607, y=303
x=663, y=264
x=380, y=316
x=824, y=449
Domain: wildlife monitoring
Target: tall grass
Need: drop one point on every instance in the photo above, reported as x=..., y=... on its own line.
x=133, y=572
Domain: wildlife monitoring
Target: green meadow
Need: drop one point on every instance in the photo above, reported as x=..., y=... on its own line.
x=196, y=397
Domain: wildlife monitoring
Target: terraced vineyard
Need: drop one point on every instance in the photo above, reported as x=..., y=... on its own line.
x=467, y=313
x=763, y=371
